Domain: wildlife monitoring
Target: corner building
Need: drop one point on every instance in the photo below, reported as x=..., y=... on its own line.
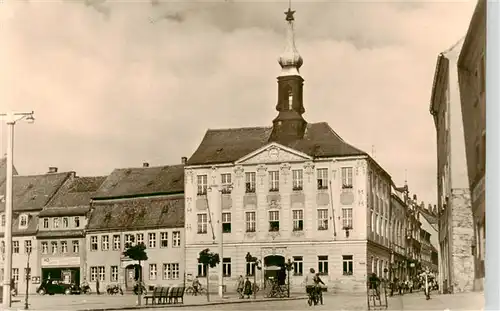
x=298, y=191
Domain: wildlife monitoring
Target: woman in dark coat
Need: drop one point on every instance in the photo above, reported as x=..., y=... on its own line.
x=248, y=288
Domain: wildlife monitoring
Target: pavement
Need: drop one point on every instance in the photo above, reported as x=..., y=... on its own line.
x=348, y=301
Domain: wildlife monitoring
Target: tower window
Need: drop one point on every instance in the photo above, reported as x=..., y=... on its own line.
x=290, y=100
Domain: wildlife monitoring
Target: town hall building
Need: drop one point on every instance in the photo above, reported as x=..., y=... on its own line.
x=294, y=191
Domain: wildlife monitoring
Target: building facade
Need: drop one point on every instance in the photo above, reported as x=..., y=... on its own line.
x=398, y=223
x=30, y=194
x=294, y=191
x=137, y=205
x=61, y=231
x=472, y=80
x=454, y=201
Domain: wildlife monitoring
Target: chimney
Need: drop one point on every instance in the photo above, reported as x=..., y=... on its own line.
x=184, y=160
x=52, y=169
x=145, y=164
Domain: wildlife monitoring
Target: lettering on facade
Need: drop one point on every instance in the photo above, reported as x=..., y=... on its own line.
x=60, y=261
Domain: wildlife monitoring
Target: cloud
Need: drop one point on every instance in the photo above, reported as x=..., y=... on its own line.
x=117, y=89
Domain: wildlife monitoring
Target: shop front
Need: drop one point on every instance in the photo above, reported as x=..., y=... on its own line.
x=66, y=269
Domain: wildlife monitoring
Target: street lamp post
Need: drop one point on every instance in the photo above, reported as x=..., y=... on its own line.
x=223, y=189
x=11, y=119
x=28, y=277
x=288, y=267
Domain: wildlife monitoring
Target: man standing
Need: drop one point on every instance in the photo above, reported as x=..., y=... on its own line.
x=97, y=286
x=241, y=285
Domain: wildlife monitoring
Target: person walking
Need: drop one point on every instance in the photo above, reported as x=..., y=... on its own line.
x=97, y=286
x=241, y=286
x=248, y=288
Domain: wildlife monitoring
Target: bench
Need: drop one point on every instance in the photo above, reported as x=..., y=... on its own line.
x=163, y=295
x=175, y=294
x=155, y=297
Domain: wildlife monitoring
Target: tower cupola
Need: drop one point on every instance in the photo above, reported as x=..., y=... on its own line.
x=289, y=125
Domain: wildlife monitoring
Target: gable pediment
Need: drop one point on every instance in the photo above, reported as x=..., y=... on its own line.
x=274, y=153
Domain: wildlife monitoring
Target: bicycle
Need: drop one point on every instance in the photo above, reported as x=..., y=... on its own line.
x=201, y=291
x=314, y=296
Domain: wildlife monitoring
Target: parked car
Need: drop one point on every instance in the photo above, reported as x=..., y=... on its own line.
x=54, y=286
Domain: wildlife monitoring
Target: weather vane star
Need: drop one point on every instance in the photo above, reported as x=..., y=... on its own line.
x=289, y=14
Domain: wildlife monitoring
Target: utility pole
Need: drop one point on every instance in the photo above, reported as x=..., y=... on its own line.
x=11, y=119
x=222, y=189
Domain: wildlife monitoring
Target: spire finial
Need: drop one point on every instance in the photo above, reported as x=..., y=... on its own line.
x=290, y=61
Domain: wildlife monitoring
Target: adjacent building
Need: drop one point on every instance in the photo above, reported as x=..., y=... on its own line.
x=137, y=205
x=292, y=191
x=30, y=194
x=399, y=264
x=454, y=201
x=472, y=80
x=61, y=230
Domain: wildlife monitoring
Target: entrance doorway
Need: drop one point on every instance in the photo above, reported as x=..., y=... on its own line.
x=273, y=264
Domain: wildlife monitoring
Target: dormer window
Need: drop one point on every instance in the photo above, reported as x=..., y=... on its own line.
x=23, y=221
x=55, y=223
x=65, y=222
x=77, y=222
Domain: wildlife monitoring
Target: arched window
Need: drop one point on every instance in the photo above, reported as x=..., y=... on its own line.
x=290, y=100
x=23, y=221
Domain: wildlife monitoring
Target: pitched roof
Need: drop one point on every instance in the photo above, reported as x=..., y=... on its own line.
x=229, y=145
x=29, y=230
x=73, y=199
x=3, y=170
x=33, y=192
x=130, y=182
x=137, y=213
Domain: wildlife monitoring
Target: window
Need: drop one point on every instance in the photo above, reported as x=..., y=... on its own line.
x=347, y=218
x=114, y=273
x=76, y=246
x=226, y=267
x=55, y=223
x=15, y=247
x=176, y=239
x=140, y=238
x=298, y=220
x=4, y=220
x=23, y=221
x=102, y=273
x=105, y=242
x=202, y=223
x=45, y=248
x=64, y=247
x=152, y=239
x=322, y=178
x=77, y=222
x=15, y=274
x=250, y=182
x=53, y=247
x=297, y=180
x=163, y=239
x=274, y=220
x=323, y=265
x=152, y=271
x=129, y=240
x=250, y=221
x=226, y=183
x=323, y=219
x=201, y=270
x=226, y=222
x=298, y=265
x=171, y=271
x=28, y=246
x=65, y=222
x=250, y=268
x=274, y=181
x=93, y=274
x=346, y=177
x=347, y=264
x=45, y=223
x=116, y=242
x=202, y=184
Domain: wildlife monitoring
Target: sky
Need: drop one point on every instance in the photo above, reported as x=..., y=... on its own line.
x=117, y=83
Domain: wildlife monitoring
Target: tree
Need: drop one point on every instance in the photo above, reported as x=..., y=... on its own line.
x=137, y=252
x=209, y=260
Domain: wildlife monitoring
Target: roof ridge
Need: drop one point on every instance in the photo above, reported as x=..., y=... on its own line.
x=46, y=174
x=238, y=128
x=145, y=168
